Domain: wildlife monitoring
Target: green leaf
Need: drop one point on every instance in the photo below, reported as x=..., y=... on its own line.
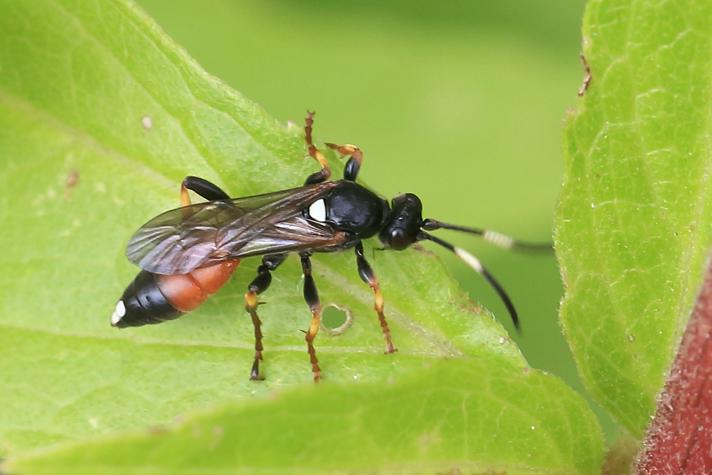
x=101, y=116
x=634, y=221
x=509, y=425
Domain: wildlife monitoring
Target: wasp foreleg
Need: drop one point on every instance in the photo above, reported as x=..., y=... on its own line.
x=369, y=277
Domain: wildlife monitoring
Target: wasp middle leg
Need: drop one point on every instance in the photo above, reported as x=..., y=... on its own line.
x=369, y=277
x=311, y=295
x=257, y=286
x=353, y=165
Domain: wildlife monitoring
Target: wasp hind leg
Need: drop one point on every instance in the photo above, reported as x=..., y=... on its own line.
x=311, y=295
x=325, y=172
x=369, y=277
x=202, y=187
x=256, y=287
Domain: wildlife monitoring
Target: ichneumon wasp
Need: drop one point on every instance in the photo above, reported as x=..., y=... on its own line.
x=188, y=253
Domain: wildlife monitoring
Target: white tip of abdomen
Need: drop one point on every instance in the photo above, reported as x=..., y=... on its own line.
x=119, y=313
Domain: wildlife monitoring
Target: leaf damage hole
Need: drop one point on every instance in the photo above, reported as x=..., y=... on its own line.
x=335, y=319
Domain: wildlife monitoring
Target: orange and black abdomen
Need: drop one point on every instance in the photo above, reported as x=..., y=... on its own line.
x=153, y=298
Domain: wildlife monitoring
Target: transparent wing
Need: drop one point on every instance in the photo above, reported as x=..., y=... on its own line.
x=183, y=239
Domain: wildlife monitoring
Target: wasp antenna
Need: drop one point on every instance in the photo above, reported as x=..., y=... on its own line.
x=475, y=263
x=498, y=239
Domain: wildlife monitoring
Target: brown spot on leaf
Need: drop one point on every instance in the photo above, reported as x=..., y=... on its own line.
x=586, y=78
x=70, y=182
x=620, y=455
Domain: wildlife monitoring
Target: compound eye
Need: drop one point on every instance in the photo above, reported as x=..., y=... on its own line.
x=398, y=240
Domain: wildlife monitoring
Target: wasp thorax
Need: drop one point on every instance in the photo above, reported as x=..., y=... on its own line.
x=403, y=223
x=354, y=209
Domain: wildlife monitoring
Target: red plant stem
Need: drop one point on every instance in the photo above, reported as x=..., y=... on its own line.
x=679, y=440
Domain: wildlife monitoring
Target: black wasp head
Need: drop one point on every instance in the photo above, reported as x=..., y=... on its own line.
x=403, y=223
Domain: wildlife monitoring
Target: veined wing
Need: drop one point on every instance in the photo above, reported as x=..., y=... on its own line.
x=183, y=239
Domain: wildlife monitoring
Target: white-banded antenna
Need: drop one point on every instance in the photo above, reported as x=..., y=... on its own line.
x=498, y=239
x=475, y=264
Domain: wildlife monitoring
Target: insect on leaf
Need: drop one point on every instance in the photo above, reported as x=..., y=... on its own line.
x=101, y=116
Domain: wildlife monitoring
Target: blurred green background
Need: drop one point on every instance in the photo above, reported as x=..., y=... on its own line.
x=461, y=102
